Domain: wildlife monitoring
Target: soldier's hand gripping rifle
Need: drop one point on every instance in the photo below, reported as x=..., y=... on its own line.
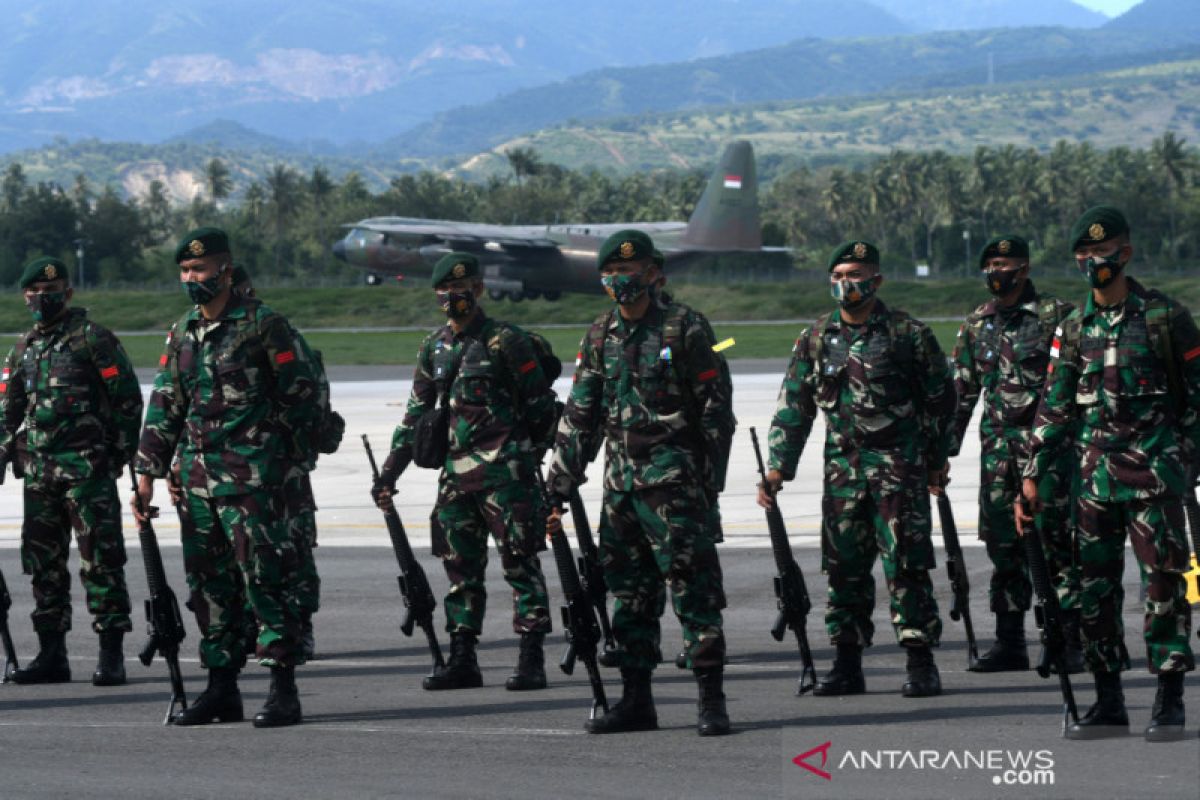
x=591, y=575
x=1047, y=613
x=419, y=602
x=960, y=586
x=10, y=652
x=164, y=623
x=791, y=593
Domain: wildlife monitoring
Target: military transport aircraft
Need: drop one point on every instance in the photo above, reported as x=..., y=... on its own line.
x=531, y=261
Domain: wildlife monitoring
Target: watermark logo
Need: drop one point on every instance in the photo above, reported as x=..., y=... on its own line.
x=802, y=760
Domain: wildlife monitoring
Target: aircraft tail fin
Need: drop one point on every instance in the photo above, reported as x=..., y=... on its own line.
x=726, y=218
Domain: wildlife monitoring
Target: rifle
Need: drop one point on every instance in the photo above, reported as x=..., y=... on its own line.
x=163, y=621
x=591, y=576
x=1193, y=517
x=1048, y=616
x=10, y=652
x=791, y=593
x=960, y=586
x=579, y=620
x=419, y=602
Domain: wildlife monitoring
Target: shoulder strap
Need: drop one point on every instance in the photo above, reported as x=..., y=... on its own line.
x=599, y=330
x=1069, y=331
x=1159, y=315
x=900, y=329
x=816, y=339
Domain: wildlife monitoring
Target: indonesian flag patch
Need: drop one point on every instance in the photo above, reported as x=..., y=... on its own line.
x=733, y=181
x=286, y=357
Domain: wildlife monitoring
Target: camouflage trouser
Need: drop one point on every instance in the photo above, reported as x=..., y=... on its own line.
x=302, y=517
x=1156, y=531
x=1011, y=588
x=656, y=535
x=897, y=526
x=247, y=531
x=515, y=516
x=92, y=509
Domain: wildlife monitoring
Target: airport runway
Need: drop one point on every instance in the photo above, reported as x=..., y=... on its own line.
x=370, y=731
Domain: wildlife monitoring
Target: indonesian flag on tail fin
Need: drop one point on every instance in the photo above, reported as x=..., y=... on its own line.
x=733, y=181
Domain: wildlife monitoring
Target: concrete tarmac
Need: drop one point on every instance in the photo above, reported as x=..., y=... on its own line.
x=371, y=731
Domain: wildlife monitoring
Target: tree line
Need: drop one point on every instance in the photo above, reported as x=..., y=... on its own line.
x=929, y=207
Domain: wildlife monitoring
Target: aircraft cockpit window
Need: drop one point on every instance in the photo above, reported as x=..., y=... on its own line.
x=363, y=237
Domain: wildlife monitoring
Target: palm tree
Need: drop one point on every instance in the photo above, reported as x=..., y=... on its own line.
x=217, y=180
x=283, y=194
x=1175, y=164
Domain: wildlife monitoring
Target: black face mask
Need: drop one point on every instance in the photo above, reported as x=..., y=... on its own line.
x=1002, y=282
x=1102, y=271
x=47, y=306
x=457, y=304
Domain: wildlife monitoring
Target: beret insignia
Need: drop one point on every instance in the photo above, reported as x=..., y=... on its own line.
x=860, y=250
x=459, y=270
x=51, y=272
x=626, y=249
x=196, y=248
x=1096, y=232
x=1004, y=246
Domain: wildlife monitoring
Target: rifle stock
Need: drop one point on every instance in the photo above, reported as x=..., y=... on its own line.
x=1048, y=616
x=164, y=622
x=419, y=602
x=956, y=569
x=10, y=652
x=579, y=622
x=791, y=592
x=591, y=575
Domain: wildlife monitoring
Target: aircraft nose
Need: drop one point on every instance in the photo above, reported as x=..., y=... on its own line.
x=339, y=250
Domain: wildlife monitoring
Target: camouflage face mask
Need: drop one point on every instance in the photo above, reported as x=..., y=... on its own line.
x=853, y=294
x=202, y=292
x=1102, y=271
x=1001, y=282
x=47, y=305
x=625, y=289
x=458, y=304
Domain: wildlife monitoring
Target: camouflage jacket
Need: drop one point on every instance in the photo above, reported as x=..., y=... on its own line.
x=888, y=396
x=501, y=406
x=231, y=393
x=1002, y=354
x=74, y=389
x=1136, y=434
x=667, y=417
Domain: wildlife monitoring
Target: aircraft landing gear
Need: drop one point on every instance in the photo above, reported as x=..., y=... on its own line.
x=552, y=295
x=496, y=294
x=374, y=279
x=516, y=295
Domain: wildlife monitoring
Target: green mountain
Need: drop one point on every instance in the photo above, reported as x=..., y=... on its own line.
x=801, y=70
x=1109, y=109
x=1159, y=15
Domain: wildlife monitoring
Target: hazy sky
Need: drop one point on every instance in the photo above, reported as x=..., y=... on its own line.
x=1110, y=7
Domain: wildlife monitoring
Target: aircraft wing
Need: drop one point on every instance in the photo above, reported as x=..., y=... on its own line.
x=462, y=235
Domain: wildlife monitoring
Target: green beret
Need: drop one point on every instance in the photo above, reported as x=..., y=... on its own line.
x=453, y=266
x=1098, y=224
x=1004, y=246
x=44, y=269
x=626, y=245
x=201, y=242
x=659, y=259
x=854, y=251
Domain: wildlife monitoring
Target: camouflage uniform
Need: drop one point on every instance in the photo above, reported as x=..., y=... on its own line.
x=501, y=413
x=231, y=394
x=886, y=391
x=1109, y=396
x=667, y=418
x=1001, y=353
x=74, y=390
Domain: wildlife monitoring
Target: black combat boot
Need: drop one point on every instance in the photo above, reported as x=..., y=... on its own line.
x=634, y=711
x=713, y=720
x=1107, y=716
x=923, y=679
x=283, y=701
x=1008, y=653
x=308, y=644
x=846, y=676
x=1166, y=722
x=50, y=665
x=461, y=671
x=110, y=669
x=531, y=665
x=1073, y=642
x=220, y=702
x=681, y=658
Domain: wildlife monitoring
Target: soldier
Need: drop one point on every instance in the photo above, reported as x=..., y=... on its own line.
x=70, y=384
x=1002, y=351
x=499, y=408
x=649, y=383
x=233, y=390
x=886, y=389
x=1123, y=394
